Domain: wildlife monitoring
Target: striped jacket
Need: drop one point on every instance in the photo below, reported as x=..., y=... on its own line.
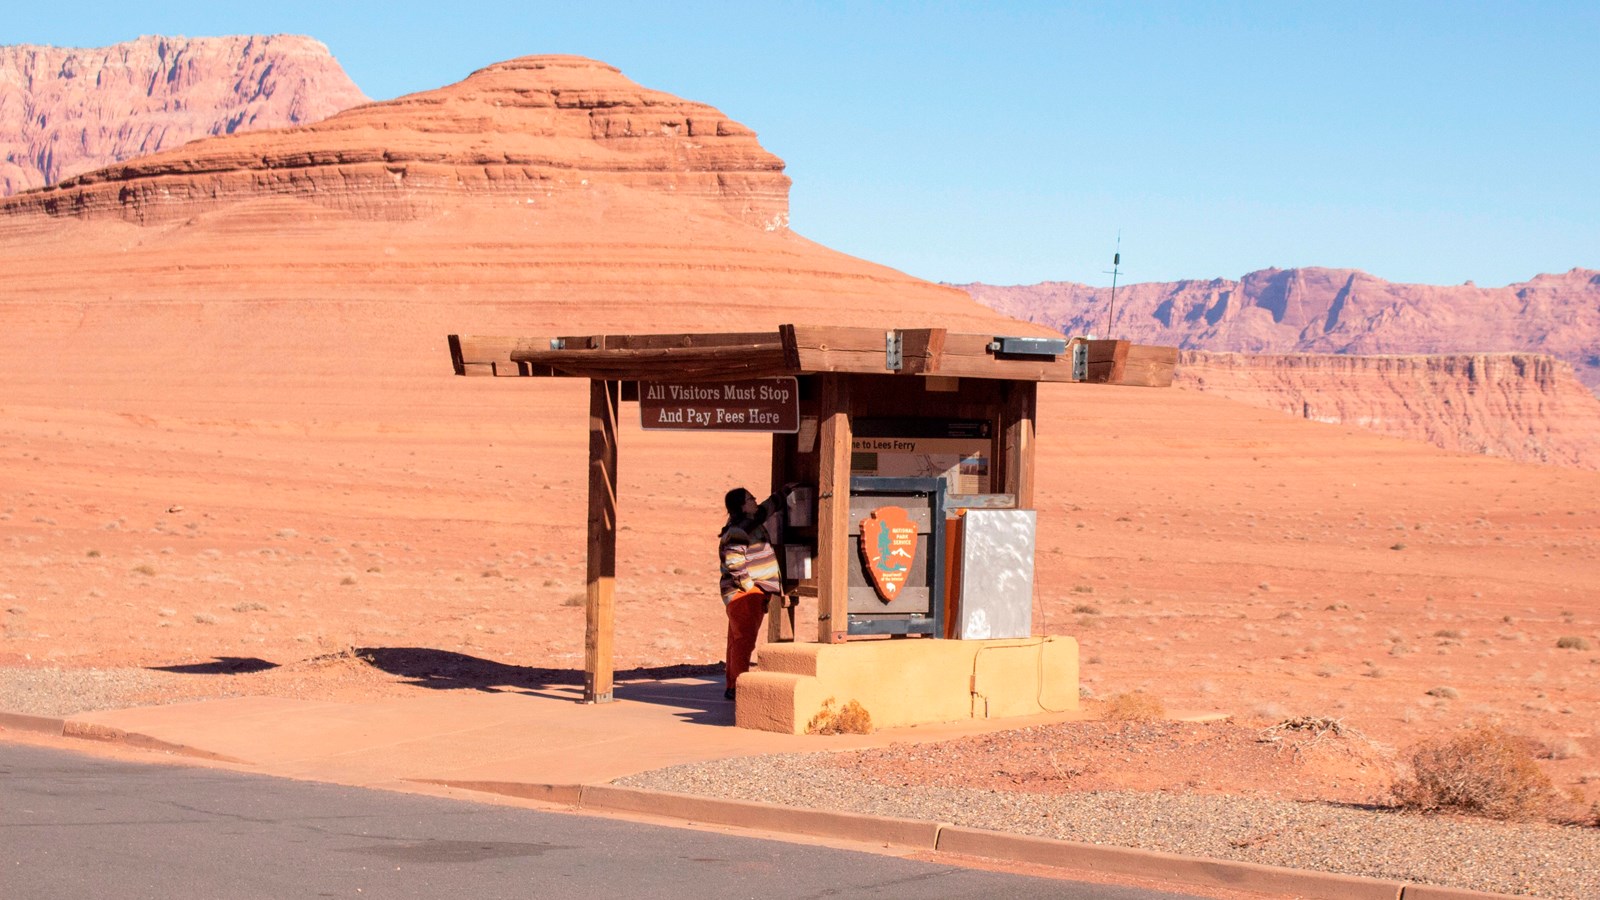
x=749, y=563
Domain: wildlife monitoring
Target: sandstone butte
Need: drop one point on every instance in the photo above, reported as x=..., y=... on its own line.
x=230, y=429
x=65, y=111
x=1492, y=370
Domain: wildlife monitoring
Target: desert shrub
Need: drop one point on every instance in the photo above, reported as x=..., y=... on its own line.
x=1087, y=609
x=145, y=569
x=1444, y=693
x=1134, y=706
x=578, y=599
x=851, y=718
x=1572, y=642
x=1484, y=771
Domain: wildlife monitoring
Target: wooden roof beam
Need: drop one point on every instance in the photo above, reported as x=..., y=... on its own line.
x=800, y=350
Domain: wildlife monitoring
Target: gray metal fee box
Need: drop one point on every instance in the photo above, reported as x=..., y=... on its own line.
x=996, y=599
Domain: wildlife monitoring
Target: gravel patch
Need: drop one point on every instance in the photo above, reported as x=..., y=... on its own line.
x=67, y=692
x=1531, y=859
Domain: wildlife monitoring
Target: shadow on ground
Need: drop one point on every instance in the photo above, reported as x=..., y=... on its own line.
x=221, y=665
x=695, y=690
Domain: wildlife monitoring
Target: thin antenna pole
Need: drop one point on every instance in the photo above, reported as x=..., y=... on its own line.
x=1116, y=261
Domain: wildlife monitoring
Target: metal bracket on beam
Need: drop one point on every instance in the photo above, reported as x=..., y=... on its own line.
x=1027, y=346
x=1080, y=361
x=893, y=357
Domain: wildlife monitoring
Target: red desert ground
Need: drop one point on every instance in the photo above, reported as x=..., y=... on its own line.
x=229, y=428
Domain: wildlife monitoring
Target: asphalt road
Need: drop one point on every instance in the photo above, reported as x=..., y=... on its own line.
x=75, y=826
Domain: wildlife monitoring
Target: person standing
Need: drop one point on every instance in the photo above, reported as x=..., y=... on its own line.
x=750, y=576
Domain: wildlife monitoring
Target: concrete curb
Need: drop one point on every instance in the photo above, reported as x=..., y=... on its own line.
x=90, y=731
x=33, y=724
x=1433, y=892
x=765, y=816
x=1165, y=866
x=563, y=794
x=914, y=834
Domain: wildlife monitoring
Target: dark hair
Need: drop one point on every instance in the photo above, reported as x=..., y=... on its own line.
x=734, y=501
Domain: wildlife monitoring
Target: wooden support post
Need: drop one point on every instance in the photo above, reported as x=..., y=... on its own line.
x=1017, y=417
x=600, y=608
x=780, y=612
x=1017, y=422
x=833, y=511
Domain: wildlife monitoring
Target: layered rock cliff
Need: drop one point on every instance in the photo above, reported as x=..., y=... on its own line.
x=519, y=130
x=1316, y=310
x=327, y=263
x=67, y=111
x=1521, y=406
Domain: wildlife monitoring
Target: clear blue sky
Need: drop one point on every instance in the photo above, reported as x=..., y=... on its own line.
x=1431, y=142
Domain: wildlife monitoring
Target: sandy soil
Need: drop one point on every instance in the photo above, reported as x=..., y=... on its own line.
x=1223, y=559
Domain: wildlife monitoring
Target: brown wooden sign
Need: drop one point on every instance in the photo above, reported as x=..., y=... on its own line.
x=756, y=404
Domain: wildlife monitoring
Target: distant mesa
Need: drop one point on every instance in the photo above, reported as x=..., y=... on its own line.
x=67, y=111
x=1522, y=406
x=1345, y=311
x=539, y=124
x=1500, y=371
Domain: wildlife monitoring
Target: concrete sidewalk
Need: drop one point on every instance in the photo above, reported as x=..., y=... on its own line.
x=539, y=736
x=450, y=735
x=544, y=745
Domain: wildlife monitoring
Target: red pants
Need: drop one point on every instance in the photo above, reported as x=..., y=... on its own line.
x=746, y=614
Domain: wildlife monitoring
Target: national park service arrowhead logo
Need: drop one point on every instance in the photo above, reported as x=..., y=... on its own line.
x=889, y=545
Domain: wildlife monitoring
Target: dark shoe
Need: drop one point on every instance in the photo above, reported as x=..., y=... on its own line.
x=727, y=694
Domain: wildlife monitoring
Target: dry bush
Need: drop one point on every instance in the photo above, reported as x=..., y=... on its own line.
x=1134, y=706
x=1484, y=771
x=1572, y=642
x=851, y=718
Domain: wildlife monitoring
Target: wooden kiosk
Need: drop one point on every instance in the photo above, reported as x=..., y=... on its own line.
x=830, y=396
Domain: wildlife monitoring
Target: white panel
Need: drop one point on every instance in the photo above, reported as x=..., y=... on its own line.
x=996, y=574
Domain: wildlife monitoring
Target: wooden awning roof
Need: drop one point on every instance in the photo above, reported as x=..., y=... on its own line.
x=811, y=349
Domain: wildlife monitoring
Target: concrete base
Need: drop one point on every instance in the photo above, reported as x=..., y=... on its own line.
x=913, y=681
